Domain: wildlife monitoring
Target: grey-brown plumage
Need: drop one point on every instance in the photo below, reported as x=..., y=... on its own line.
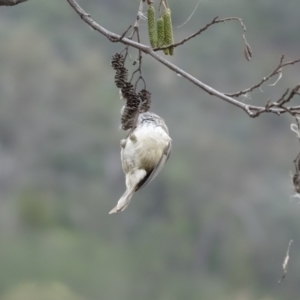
x=143, y=154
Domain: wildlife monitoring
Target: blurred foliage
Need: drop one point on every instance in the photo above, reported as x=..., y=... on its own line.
x=216, y=222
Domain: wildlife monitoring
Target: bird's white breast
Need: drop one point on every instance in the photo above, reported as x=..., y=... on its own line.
x=145, y=150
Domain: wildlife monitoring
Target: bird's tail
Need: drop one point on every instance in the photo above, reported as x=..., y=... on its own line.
x=124, y=201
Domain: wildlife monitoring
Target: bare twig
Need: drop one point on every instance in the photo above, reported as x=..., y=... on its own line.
x=276, y=71
x=139, y=59
x=285, y=98
x=216, y=20
x=251, y=110
x=116, y=40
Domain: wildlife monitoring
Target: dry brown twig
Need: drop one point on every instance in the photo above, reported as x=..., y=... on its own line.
x=277, y=70
x=286, y=97
x=216, y=20
x=139, y=59
x=278, y=107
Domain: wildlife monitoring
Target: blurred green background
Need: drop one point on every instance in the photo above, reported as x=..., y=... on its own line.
x=214, y=225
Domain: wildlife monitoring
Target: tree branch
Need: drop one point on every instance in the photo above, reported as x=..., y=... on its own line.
x=11, y=2
x=276, y=71
x=216, y=20
x=251, y=110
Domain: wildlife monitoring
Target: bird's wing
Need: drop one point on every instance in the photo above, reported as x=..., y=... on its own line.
x=151, y=175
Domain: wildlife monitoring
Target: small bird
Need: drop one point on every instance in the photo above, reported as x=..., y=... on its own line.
x=143, y=154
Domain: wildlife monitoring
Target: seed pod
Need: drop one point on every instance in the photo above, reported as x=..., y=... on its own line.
x=121, y=75
x=161, y=34
x=169, y=38
x=151, y=26
x=131, y=107
x=145, y=100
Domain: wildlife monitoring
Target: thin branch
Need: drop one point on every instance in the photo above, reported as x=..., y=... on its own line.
x=11, y=2
x=114, y=40
x=214, y=21
x=251, y=110
x=285, y=98
x=136, y=28
x=276, y=71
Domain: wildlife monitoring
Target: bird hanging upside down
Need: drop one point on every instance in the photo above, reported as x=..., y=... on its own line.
x=143, y=154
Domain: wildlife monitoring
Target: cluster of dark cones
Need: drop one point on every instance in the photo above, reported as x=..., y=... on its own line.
x=135, y=102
